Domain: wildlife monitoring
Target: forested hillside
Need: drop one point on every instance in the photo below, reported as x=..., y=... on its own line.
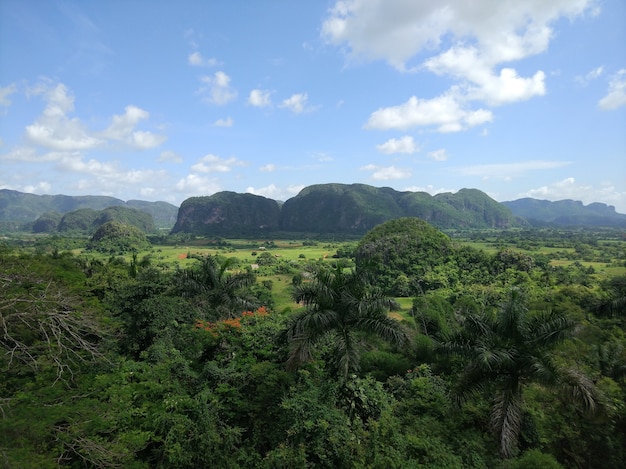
x=18, y=208
x=86, y=221
x=566, y=213
x=406, y=348
x=338, y=209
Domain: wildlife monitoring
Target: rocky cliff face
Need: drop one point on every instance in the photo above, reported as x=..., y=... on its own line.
x=228, y=213
x=337, y=208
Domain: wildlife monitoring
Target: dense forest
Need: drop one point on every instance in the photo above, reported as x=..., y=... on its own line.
x=406, y=348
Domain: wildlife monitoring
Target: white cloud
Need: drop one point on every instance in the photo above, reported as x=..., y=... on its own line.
x=481, y=82
x=396, y=30
x=216, y=89
x=260, y=98
x=616, y=95
x=296, y=103
x=322, y=157
x=196, y=59
x=430, y=189
x=53, y=129
x=228, y=122
x=439, y=155
x=170, y=156
x=507, y=171
x=268, y=168
x=470, y=40
x=122, y=129
x=192, y=184
x=42, y=187
x=274, y=192
x=214, y=164
x=569, y=188
x=590, y=76
x=5, y=92
x=445, y=111
x=386, y=173
x=404, y=144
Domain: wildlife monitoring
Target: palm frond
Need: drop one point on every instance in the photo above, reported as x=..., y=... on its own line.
x=506, y=420
x=384, y=327
x=549, y=328
x=512, y=313
x=577, y=387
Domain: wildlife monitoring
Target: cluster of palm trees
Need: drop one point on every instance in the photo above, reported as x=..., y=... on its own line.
x=503, y=351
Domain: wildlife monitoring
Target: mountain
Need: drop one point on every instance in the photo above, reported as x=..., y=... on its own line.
x=566, y=213
x=339, y=209
x=21, y=208
x=88, y=221
x=228, y=214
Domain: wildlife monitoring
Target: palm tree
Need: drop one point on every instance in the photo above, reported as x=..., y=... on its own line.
x=508, y=351
x=342, y=307
x=215, y=289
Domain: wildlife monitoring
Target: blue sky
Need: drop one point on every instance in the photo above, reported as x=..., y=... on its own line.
x=163, y=100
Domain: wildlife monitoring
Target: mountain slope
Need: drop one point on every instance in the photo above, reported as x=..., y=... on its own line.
x=23, y=208
x=228, y=214
x=566, y=213
x=338, y=209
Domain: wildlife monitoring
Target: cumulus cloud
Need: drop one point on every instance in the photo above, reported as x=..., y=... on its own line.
x=197, y=60
x=122, y=129
x=470, y=40
x=274, y=192
x=569, y=188
x=429, y=188
x=170, y=156
x=268, y=168
x=5, y=92
x=260, y=98
x=214, y=164
x=228, y=122
x=54, y=129
x=216, y=89
x=404, y=144
x=396, y=30
x=193, y=184
x=616, y=95
x=508, y=171
x=445, y=112
x=296, y=103
x=439, y=155
x=380, y=173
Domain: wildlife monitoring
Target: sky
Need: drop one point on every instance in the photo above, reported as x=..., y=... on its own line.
x=163, y=100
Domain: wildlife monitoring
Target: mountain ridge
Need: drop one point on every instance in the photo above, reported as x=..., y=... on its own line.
x=343, y=208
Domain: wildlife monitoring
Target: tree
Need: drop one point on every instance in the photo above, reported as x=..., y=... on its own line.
x=215, y=289
x=341, y=306
x=506, y=352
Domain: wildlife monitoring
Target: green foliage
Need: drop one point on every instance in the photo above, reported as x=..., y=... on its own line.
x=340, y=306
x=227, y=214
x=114, y=237
x=158, y=361
x=409, y=246
x=507, y=350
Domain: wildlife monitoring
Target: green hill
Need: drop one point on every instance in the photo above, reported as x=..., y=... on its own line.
x=88, y=221
x=19, y=208
x=351, y=209
x=228, y=214
x=566, y=213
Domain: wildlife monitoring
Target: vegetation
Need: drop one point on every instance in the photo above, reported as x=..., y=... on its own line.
x=406, y=348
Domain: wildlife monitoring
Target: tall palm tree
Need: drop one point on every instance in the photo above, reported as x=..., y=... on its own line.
x=343, y=307
x=216, y=290
x=507, y=351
